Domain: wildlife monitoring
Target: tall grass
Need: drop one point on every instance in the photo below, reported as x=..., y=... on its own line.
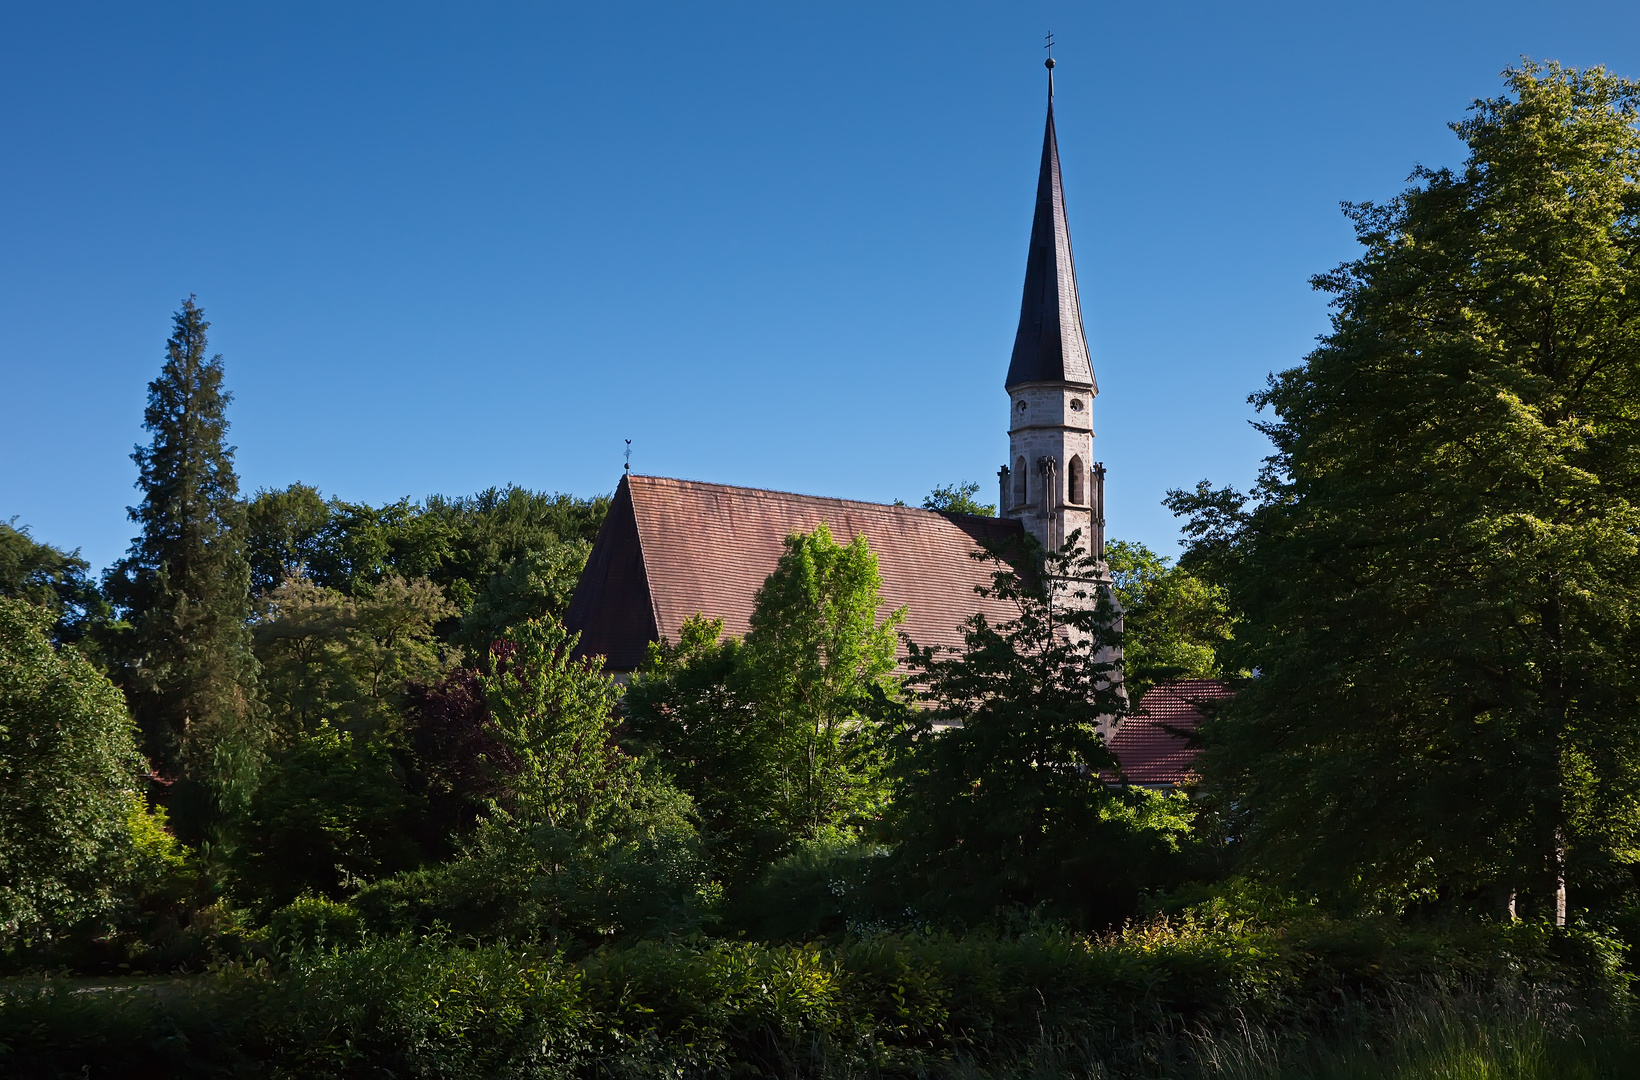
x=1434, y=1036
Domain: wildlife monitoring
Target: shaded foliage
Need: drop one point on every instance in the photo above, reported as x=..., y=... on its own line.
x=457, y=761
x=582, y=842
x=51, y=578
x=331, y=814
x=997, y=800
x=1150, y=1002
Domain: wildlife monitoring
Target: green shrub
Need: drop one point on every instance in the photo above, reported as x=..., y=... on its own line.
x=823, y=888
x=1150, y=1001
x=330, y=809
x=314, y=923
x=408, y=1007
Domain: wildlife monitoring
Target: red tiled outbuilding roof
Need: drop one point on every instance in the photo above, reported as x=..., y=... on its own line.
x=670, y=549
x=1153, y=745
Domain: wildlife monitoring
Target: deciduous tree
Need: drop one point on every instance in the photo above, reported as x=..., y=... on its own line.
x=71, y=783
x=958, y=499
x=771, y=735
x=998, y=801
x=1439, y=567
x=1174, y=622
x=584, y=840
x=52, y=578
x=346, y=660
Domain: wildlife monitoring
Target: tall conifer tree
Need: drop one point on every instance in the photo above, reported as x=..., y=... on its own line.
x=184, y=589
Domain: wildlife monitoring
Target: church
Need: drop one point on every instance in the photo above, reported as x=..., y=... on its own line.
x=670, y=549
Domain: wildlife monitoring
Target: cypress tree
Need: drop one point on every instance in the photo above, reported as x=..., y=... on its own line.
x=184, y=591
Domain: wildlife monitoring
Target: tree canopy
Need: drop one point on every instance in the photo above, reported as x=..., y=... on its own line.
x=997, y=798
x=1438, y=569
x=958, y=499
x=1174, y=622
x=51, y=578
x=71, y=782
x=770, y=734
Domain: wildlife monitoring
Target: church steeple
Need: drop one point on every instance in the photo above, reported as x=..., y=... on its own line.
x=1051, y=482
x=1050, y=345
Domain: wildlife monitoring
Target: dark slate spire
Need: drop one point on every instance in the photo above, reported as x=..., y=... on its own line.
x=1050, y=345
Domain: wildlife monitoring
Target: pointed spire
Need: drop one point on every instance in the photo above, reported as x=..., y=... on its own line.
x=1050, y=345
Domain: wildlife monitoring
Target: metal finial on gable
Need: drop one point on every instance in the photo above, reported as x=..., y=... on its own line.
x=629, y=455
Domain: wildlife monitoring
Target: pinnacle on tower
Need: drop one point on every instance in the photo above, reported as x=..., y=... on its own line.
x=1050, y=345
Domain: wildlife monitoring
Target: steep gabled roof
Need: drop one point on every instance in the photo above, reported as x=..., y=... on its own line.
x=1153, y=745
x=670, y=549
x=1050, y=345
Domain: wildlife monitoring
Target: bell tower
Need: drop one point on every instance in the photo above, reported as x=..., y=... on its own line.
x=1051, y=481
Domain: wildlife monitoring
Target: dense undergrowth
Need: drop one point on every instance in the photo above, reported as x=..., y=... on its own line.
x=1336, y=999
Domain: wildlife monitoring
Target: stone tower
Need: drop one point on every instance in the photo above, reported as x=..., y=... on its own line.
x=1051, y=481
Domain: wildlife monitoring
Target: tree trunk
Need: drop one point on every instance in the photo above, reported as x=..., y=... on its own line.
x=1560, y=878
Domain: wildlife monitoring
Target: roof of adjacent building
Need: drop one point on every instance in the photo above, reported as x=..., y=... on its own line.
x=1154, y=745
x=671, y=549
x=1050, y=345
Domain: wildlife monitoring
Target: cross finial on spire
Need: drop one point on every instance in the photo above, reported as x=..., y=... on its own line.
x=1048, y=63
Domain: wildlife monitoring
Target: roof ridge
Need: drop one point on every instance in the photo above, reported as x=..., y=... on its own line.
x=803, y=495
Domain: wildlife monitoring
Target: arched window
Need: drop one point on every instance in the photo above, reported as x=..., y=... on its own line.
x=1019, y=482
x=1076, y=481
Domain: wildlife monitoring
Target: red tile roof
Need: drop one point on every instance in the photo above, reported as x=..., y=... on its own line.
x=670, y=549
x=1153, y=745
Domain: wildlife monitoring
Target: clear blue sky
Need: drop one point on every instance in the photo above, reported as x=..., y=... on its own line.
x=445, y=247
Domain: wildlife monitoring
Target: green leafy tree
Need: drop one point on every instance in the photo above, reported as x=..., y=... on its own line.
x=331, y=813
x=500, y=527
x=585, y=841
x=394, y=645
x=51, y=578
x=771, y=736
x=361, y=544
x=301, y=637
x=1438, y=568
x=958, y=499
x=285, y=528
x=814, y=653
x=1174, y=622
x=328, y=656
x=538, y=584
x=502, y=556
x=184, y=589
x=689, y=705
x=71, y=784
x=997, y=800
